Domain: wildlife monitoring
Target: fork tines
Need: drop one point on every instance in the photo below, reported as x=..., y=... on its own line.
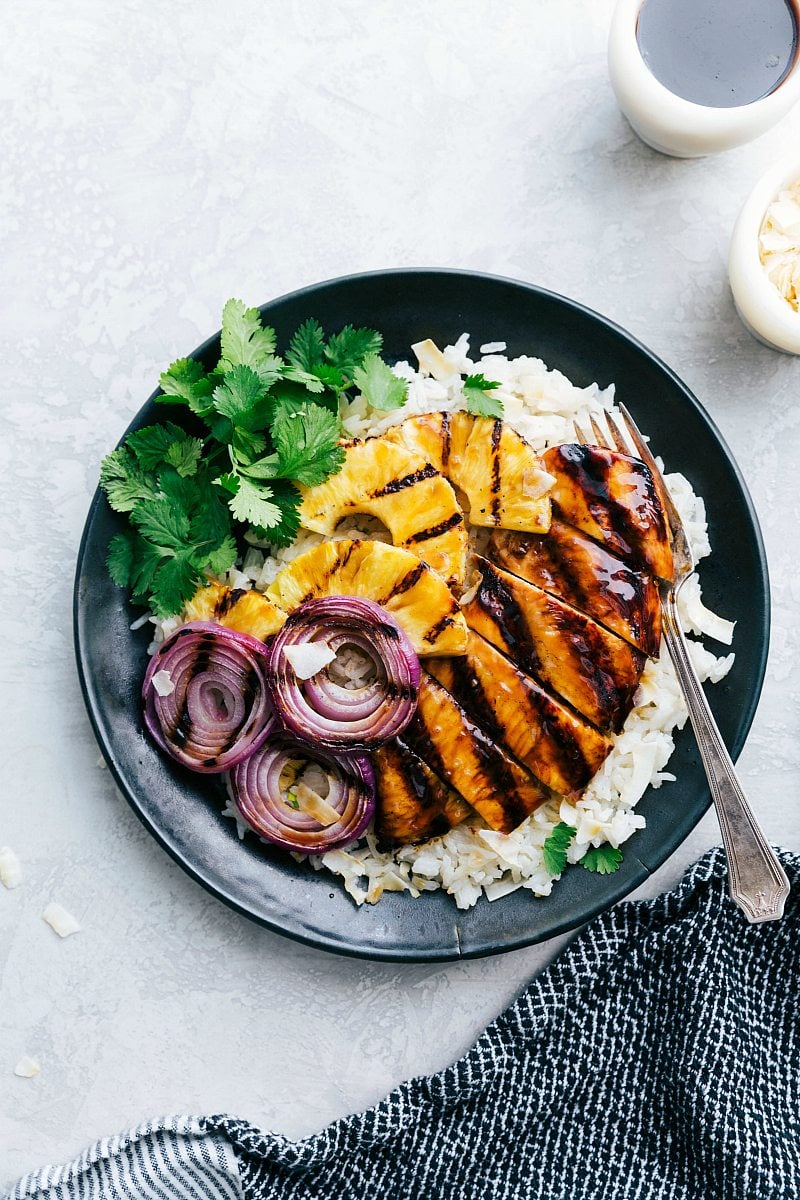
x=608, y=435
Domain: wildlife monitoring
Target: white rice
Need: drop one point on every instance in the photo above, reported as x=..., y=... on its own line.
x=471, y=861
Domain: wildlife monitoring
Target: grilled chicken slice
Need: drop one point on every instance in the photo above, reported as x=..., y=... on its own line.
x=613, y=499
x=553, y=742
x=461, y=754
x=245, y=611
x=403, y=490
x=572, y=566
x=413, y=803
x=418, y=599
x=496, y=470
x=592, y=669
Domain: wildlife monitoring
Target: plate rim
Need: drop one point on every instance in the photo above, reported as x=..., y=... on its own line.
x=321, y=940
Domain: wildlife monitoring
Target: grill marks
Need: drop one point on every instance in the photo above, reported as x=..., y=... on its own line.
x=593, y=670
x=556, y=745
x=568, y=564
x=344, y=551
x=424, y=535
x=413, y=802
x=497, y=433
x=447, y=440
x=470, y=761
x=406, y=583
x=183, y=726
x=405, y=481
x=612, y=498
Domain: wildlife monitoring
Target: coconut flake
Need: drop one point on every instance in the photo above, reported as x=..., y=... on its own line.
x=27, y=1068
x=162, y=682
x=431, y=359
x=10, y=869
x=60, y=921
x=471, y=592
x=308, y=658
x=536, y=482
x=779, y=243
x=313, y=805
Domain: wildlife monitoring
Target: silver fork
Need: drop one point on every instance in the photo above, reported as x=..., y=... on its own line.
x=756, y=880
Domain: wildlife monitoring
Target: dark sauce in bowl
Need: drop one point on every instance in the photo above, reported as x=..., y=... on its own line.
x=719, y=53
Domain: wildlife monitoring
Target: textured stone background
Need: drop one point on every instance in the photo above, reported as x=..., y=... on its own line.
x=155, y=160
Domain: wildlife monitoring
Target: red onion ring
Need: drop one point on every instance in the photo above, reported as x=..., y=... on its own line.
x=326, y=713
x=219, y=710
x=255, y=791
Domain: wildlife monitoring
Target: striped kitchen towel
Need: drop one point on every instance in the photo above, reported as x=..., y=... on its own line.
x=657, y=1058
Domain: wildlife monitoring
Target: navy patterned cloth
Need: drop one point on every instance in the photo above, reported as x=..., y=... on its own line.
x=657, y=1059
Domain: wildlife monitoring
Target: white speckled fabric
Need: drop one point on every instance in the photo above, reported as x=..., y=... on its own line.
x=658, y=1057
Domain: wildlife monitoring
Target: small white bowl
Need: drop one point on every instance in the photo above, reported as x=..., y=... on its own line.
x=670, y=123
x=764, y=311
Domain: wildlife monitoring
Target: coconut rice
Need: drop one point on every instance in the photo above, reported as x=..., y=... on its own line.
x=470, y=860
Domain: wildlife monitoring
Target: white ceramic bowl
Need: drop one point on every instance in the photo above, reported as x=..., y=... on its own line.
x=668, y=122
x=759, y=303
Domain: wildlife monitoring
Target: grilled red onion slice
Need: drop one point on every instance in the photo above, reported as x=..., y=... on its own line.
x=218, y=710
x=269, y=809
x=353, y=714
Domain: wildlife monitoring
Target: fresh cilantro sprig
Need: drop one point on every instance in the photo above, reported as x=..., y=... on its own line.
x=478, y=398
x=556, y=844
x=266, y=425
x=602, y=860
x=180, y=527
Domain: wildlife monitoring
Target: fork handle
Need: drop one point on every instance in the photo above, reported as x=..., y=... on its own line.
x=756, y=879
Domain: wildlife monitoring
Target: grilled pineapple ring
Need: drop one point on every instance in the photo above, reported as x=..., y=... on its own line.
x=242, y=610
x=418, y=599
x=401, y=488
x=498, y=472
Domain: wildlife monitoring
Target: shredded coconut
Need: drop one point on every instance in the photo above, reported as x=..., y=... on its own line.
x=10, y=868
x=60, y=921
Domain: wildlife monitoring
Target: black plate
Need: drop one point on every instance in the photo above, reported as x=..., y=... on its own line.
x=182, y=811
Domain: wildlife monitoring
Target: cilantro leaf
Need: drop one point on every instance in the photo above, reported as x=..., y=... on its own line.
x=254, y=505
x=168, y=443
x=348, y=348
x=150, y=444
x=161, y=523
x=555, y=847
x=478, y=400
x=306, y=437
x=240, y=397
x=286, y=495
x=262, y=468
x=145, y=563
x=186, y=382
x=184, y=455
x=331, y=377
x=379, y=384
x=175, y=582
x=221, y=559
x=311, y=383
x=244, y=341
x=307, y=347
x=602, y=860
x=229, y=481
x=123, y=481
x=120, y=558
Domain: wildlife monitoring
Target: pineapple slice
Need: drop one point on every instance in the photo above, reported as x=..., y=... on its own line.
x=498, y=472
x=401, y=488
x=244, y=611
x=417, y=598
